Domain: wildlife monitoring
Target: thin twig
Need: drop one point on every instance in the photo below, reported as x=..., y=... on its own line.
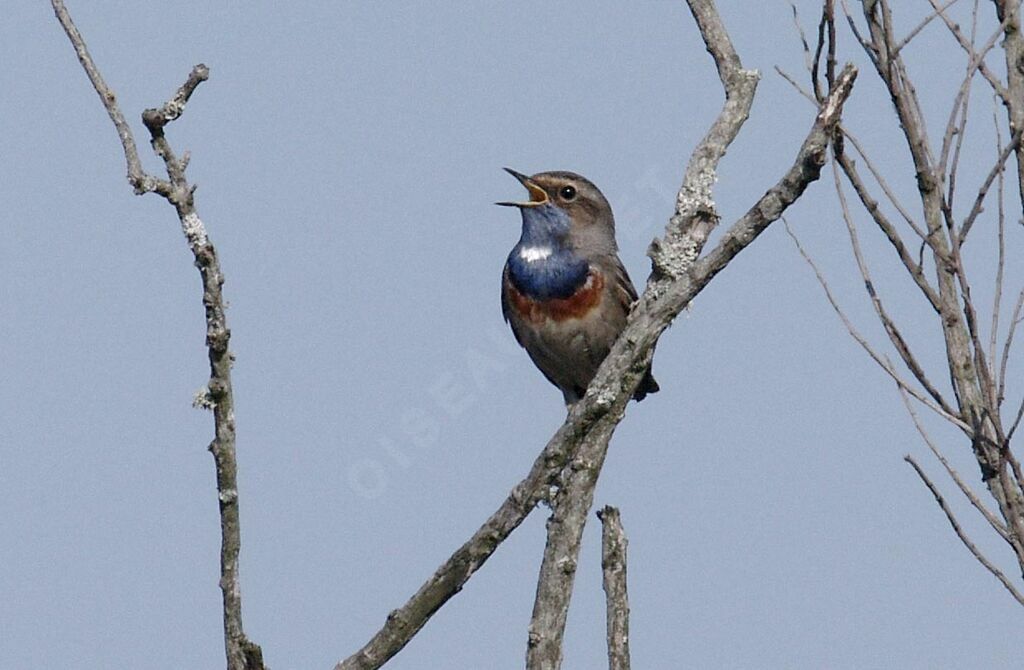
x=898, y=342
x=1013, y=428
x=242, y=654
x=808, y=59
x=960, y=105
x=864, y=43
x=987, y=73
x=137, y=177
x=996, y=172
x=1001, y=250
x=613, y=568
x=830, y=63
x=1015, y=318
x=883, y=184
x=913, y=267
x=960, y=532
x=968, y=364
x=961, y=109
x=862, y=341
x=919, y=27
x=960, y=102
x=793, y=82
x=826, y=33
x=959, y=329
x=996, y=524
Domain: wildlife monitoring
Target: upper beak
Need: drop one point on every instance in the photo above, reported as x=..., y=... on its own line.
x=537, y=194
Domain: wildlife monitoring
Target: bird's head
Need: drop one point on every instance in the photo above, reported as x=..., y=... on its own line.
x=566, y=208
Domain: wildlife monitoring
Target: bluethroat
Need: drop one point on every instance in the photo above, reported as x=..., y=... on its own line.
x=564, y=290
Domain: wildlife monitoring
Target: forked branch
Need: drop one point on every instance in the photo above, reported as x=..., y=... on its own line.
x=679, y=273
x=976, y=374
x=677, y=277
x=242, y=654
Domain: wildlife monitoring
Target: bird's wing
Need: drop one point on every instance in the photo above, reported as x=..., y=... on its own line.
x=627, y=295
x=626, y=292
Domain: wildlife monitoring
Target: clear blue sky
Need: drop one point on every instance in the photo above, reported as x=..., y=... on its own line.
x=348, y=155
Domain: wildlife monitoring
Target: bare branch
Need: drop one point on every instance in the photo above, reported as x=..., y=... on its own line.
x=965, y=357
x=719, y=45
x=403, y=623
x=982, y=371
x=137, y=177
x=156, y=119
x=667, y=292
x=996, y=171
x=793, y=82
x=695, y=213
x=960, y=532
x=687, y=232
x=884, y=185
x=242, y=654
x=808, y=59
x=913, y=267
x=826, y=33
x=969, y=362
x=570, y=507
x=1013, y=428
x=1015, y=319
x=862, y=341
x=864, y=43
x=593, y=419
x=957, y=130
x=960, y=104
x=921, y=26
x=997, y=525
x=1008, y=13
x=613, y=567
x=770, y=207
x=898, y=342
x=987, y=73
x=1001, y=249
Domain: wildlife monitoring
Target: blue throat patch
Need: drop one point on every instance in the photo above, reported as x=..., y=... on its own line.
x=559, y=273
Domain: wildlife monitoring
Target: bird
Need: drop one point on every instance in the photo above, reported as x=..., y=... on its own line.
x=564, y=291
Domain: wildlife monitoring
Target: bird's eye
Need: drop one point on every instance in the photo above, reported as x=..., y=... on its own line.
x=567, y=193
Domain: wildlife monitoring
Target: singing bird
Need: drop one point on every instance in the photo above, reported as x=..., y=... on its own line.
x=564, y=290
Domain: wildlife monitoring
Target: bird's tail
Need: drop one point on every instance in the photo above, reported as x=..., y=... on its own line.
x=647, y=385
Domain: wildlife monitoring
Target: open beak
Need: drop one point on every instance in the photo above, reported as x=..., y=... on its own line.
x=537, y=194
